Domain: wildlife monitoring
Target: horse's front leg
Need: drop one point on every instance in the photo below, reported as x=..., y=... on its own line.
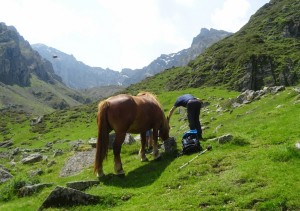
x=156, y=153
x=117, y=153
x=142, y=152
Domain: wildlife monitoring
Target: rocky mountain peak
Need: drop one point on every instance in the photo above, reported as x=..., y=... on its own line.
x=18, y=60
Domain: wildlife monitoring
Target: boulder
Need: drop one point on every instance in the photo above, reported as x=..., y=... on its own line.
x=66, y=197
x=169, y=145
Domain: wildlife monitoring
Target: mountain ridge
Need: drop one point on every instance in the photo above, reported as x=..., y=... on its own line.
x=264, y=52
x=28, y=81
x=97, y=76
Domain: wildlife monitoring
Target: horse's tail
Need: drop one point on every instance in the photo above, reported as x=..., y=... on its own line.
x=103, y=135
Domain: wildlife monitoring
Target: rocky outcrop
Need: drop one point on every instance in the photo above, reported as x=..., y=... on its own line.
x=250, y=95
x=18, y=60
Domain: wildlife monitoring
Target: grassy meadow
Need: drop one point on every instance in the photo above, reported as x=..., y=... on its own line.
x=257, y=170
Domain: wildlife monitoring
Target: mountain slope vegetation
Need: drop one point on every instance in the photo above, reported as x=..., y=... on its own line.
x=258, y=169
x=265, y=52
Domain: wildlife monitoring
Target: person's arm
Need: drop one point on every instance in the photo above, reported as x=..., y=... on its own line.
x=171, y=112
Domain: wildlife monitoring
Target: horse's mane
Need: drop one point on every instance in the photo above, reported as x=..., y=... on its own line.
x=165, y=121
x=150, y=95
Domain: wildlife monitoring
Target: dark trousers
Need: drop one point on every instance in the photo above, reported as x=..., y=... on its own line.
x=193, y=113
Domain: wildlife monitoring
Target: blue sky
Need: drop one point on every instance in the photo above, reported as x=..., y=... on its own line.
x=120, y=34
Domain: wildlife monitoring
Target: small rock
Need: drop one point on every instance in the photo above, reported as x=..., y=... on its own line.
x=49, y=145
x=36, y=120
x=297, y=89
x=15, y=151
x=225, y=138
x=236, y=105
x=51, y=163
x=36, y=172
x=82, y=185
x=217, y=128
x=92, y=142
x=297, y=145
x=75, y=144
x=32, y=158
x=6, y=144
x=222, y=139
x=57, y=152
x=4, y=175
x=129, y=139
x=31, y=189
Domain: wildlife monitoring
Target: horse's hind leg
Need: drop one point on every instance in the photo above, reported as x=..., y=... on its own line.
x=156, y=153
x=142, y=149
x=117, y=153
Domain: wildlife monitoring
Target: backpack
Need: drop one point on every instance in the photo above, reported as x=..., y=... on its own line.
x=190, y=142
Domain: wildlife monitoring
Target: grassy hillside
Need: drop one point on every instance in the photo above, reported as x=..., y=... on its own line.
x=38, y=98
x=265, y=52
x=257, y=170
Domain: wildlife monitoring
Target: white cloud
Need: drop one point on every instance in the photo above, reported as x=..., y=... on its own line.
x=231, y=16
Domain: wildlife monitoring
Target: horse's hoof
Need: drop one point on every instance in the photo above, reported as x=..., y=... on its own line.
x=121, y=175
x=144, y=159
x=157, y=158
x=100, y=175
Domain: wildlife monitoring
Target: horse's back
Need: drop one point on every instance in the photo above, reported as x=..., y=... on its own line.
x=121, y=111
x=132, y=114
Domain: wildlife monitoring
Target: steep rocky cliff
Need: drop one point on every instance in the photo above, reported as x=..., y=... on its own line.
x=18, y=60
x=28, y=81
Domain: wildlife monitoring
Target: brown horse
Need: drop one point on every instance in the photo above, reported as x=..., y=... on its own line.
x=128, y=114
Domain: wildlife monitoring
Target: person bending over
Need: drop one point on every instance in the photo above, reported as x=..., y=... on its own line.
x=193, y=106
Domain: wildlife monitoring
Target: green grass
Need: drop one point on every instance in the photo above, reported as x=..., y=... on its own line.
x=257, y=170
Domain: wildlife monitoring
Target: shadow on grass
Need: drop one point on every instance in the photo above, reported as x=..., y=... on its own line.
x=238, y=141
x=141, y=176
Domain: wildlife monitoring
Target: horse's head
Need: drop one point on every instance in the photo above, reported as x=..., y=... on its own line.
x=164, y=130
